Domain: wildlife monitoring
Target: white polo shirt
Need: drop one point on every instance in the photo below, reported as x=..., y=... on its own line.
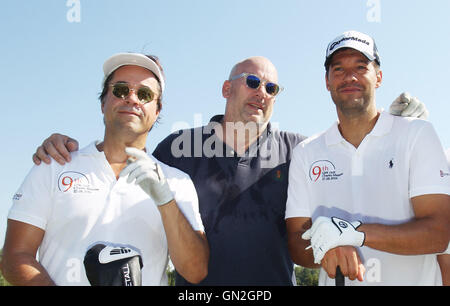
x=81, y=204
x=401, y=158
x=448, y=156
x=447, y=153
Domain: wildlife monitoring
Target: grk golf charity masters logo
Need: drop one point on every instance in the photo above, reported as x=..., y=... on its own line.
x=74, y=182
x=323, y=170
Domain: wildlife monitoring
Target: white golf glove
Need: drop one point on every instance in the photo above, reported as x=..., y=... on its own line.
x=329, y=233
x=148, y=176
x=407, y=106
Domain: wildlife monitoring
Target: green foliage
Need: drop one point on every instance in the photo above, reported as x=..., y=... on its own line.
x=3, y=282
x=306, y=277
x=171, y=276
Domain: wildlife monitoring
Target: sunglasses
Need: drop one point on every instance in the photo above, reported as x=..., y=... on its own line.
x=255, y=82
x=122, y=90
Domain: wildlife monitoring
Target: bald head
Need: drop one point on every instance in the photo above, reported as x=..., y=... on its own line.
x=247, y=104
x=252, y=63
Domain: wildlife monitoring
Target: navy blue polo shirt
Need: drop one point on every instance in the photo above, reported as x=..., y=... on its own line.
x=242, y=201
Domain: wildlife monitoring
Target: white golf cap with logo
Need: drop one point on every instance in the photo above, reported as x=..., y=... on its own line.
x=354, y=40
x=132, y=59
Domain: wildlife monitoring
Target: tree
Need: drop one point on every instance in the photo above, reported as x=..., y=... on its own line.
x=171, y=276
x=306, y=277
x=3, y=281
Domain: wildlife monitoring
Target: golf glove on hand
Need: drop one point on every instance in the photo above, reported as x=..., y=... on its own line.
x=328, y=233
x=148, y=176
x=407, y=106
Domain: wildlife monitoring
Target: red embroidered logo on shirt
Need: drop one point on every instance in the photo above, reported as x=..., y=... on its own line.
x=323, y=169
x=75, y=182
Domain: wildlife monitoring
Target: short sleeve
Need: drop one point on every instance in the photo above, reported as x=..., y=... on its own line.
x=32, y=202
x=185, y=195
x=298, y=201
x=429, y=171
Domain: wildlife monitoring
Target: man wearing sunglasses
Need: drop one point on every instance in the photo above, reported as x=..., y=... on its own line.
x=373, y=185
x=242, y=185
x=113, y=210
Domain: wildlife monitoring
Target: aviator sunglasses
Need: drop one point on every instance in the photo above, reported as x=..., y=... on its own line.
x=255, y=82
x=122, y=90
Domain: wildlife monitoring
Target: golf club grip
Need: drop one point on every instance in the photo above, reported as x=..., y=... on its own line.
x=340, y=279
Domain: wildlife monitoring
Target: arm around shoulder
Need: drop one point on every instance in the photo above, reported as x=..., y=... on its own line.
x=56, y=146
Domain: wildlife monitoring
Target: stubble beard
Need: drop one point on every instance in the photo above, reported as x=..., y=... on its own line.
x=352, y=107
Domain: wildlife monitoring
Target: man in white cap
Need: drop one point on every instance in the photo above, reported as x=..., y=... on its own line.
x=371, y=185
x=90, y=224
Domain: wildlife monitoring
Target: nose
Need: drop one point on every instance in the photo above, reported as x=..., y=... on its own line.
x=350, y=75
x=132, y=97
x=262, y=91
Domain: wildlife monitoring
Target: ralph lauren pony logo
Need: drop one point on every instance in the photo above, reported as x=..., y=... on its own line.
x=391, y=164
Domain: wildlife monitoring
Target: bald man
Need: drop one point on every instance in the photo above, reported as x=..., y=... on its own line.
x=239, y=165
x=241, y=180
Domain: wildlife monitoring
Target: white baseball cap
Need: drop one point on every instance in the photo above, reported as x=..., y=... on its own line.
x=355, y=40
x=133, y=59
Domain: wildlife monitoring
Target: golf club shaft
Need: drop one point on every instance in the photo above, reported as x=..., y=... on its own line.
x=340, y=279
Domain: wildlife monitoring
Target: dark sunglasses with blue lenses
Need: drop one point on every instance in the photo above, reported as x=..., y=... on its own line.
x=255, y=82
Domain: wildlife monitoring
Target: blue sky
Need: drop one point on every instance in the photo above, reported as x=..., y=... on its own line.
x=51, y=68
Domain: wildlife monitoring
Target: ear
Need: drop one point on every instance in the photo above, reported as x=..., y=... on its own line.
x=226, y=89
x=102, y=106
x=379, y=78
x=326, y=81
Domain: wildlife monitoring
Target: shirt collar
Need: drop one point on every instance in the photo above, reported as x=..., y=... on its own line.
x=381, y=128
x=383, y=125
x=91, y=149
